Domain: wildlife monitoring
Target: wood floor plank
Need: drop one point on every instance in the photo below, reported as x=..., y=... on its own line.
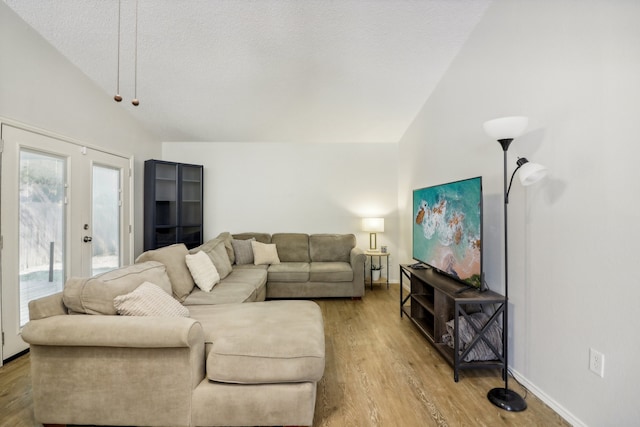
x=15, y=394
x=380, y=371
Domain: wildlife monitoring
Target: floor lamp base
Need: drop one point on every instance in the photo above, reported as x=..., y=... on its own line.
x=507, y=399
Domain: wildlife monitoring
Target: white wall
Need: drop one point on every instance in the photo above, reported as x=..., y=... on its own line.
x=289, y=187
x=573, y=67
x=41, y=88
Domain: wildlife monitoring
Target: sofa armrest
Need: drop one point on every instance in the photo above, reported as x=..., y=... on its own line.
x=51, y=305
x=113, y=331
x=114, y=370
x=358, y=260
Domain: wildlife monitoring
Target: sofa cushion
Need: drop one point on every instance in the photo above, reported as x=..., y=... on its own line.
x=292, y=247
x=135, y=274
x=149, y=300
x=223, y=293
x=242, y=285
x=331, y=247
x=243, y=251
x=289, y=272
x=202, y=270
x=260, y=237
x=173, y=257
x=94, y=295
x=330, y=272
x=239, y=267
x=256, y=277
x=264, y=253
x=226, y=236
x=216, y=249
x=263, y=342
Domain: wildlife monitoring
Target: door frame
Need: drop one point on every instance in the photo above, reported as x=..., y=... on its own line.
x=128, y=181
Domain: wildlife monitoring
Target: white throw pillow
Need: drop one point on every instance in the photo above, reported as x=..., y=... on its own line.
x=203, y=270
x=264, y=253
x=149, y=300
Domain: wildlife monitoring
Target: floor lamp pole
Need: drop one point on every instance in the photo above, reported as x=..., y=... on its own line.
x=503, y=397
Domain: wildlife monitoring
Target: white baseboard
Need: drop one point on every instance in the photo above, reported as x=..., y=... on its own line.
x=559, y=409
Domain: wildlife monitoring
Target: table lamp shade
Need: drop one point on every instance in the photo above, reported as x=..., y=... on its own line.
x=373, y=226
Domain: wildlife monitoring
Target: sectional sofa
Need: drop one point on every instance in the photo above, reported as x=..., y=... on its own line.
x=194, y=358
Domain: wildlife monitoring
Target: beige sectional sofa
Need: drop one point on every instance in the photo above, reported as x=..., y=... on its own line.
x=228, y=363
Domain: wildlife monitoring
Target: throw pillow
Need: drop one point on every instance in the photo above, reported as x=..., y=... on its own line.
x=149, y=300
x=203, y=271
x=243, y=251
x=226, y=236
x=94, y=295
x=173, y=258
x=264, y=253
x=215, y=248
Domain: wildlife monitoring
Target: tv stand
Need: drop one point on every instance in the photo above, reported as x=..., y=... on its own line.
x=466, y=288
x=434, y=299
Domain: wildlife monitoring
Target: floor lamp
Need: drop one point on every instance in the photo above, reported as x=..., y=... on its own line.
x=504, y=130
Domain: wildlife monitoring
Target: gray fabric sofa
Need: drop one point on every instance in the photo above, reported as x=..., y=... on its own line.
x=228, y=364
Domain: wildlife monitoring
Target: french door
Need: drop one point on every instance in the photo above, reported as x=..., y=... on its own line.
x=65, y=212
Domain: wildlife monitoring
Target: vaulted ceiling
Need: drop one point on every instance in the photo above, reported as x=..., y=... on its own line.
x=263, y=70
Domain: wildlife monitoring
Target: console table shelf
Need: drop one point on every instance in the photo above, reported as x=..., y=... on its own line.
x=435, y=299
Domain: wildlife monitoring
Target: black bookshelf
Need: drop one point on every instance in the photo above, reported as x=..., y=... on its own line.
x=172, y=204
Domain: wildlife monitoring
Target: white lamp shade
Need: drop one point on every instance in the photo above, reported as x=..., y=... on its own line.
x=506, y=127
x=373, y=225
x=530, y=173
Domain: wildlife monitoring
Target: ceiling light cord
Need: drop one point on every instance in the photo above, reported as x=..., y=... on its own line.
x=135, y=100
x=117, y=97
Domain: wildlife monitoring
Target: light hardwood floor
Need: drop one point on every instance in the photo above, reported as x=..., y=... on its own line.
x=379, y=372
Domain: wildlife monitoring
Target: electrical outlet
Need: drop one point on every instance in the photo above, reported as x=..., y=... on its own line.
x=596, y=362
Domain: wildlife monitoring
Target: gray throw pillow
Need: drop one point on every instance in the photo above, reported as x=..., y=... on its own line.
x=243, y=251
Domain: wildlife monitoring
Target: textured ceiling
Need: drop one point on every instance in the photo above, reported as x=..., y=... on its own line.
x=264, y=70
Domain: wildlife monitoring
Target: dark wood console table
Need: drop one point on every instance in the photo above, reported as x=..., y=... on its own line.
x=435, y=299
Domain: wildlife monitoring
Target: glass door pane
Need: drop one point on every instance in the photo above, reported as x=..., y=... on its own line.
x=41, y=227
x=191, y=206
x=166, y=200
x=106, y=219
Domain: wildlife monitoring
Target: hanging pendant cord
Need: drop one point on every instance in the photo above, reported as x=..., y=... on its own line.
x=135, y=100
x=117, y=97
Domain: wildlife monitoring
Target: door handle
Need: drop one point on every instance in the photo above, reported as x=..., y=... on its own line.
x=87, y=239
